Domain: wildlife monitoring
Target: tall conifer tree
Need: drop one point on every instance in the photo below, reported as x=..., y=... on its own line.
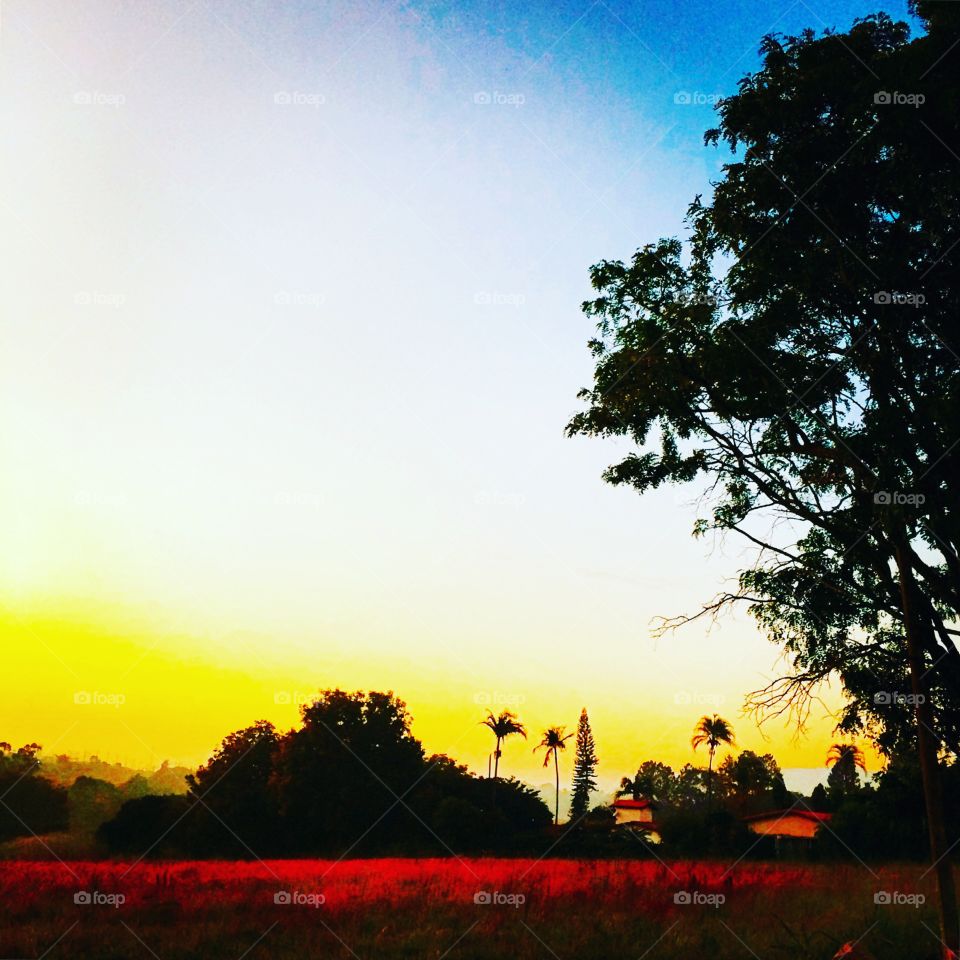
x=584, y=768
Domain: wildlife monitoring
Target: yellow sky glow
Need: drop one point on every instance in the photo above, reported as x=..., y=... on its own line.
x=104, y=684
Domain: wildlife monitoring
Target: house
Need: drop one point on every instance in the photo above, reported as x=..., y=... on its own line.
x=637, y=815
x=796, y=824
x=793, y=830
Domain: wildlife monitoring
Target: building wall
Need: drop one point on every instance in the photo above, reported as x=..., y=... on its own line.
x=634, y=816
x=788, y=825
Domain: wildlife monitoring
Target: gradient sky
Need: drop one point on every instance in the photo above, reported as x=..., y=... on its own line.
x=291, y=333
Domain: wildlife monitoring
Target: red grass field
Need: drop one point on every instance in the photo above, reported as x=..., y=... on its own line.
x=437, y=908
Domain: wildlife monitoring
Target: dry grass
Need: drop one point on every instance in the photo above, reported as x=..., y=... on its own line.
x=426, y=908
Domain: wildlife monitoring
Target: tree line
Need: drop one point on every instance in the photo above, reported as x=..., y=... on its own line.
x=352, y=780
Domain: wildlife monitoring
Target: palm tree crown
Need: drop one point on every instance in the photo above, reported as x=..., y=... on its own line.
x=712, y=731
x=848, y=753
x=503, y=726
x=553, y=740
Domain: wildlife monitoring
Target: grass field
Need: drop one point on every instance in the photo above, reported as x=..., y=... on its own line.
x=462, y=910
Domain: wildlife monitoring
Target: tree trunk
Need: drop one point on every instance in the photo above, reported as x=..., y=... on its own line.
x=556, y=800
x=710, y=780
x=496, y=767
x=929, y=768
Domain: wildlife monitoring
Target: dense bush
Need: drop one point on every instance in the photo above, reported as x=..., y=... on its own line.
x=31, y=804
x=150, y=826
x=699, y=832
x=887, y=819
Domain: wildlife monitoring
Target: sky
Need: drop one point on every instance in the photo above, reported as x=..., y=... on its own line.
x=291, y=334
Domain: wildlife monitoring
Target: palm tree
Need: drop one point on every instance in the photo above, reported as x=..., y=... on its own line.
x=843, y=779
x=502, y=727
x=847, y=753
x=712, y=731
x=553, y=741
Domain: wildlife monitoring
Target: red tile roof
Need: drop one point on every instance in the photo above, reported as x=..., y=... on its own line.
x=779, y=814
x=626, y=804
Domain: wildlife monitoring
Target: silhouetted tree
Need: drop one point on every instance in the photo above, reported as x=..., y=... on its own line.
x=553, y=742
x=31, y=803
x=884, y=819
x=234, y=795
x=752, y=783
x=712, y=732
x=502, y=726
x=341, y=779
x=690, y=788
x=803, y=359
x=584, y=768
x=653, y=781
x=844, y=759
x=151, y=827
x=819, y=801
x=703, y=831
x=458, y=808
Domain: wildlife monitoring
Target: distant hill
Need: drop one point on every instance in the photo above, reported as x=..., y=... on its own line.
x=64, y=770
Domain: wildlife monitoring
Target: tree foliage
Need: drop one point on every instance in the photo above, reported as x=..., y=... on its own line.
x=798, y=357
x=32, y=805
x=350, y=780
x=844, y=759
x=584, y=770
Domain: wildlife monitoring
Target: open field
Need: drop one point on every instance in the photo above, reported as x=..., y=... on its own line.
x=462, y=909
